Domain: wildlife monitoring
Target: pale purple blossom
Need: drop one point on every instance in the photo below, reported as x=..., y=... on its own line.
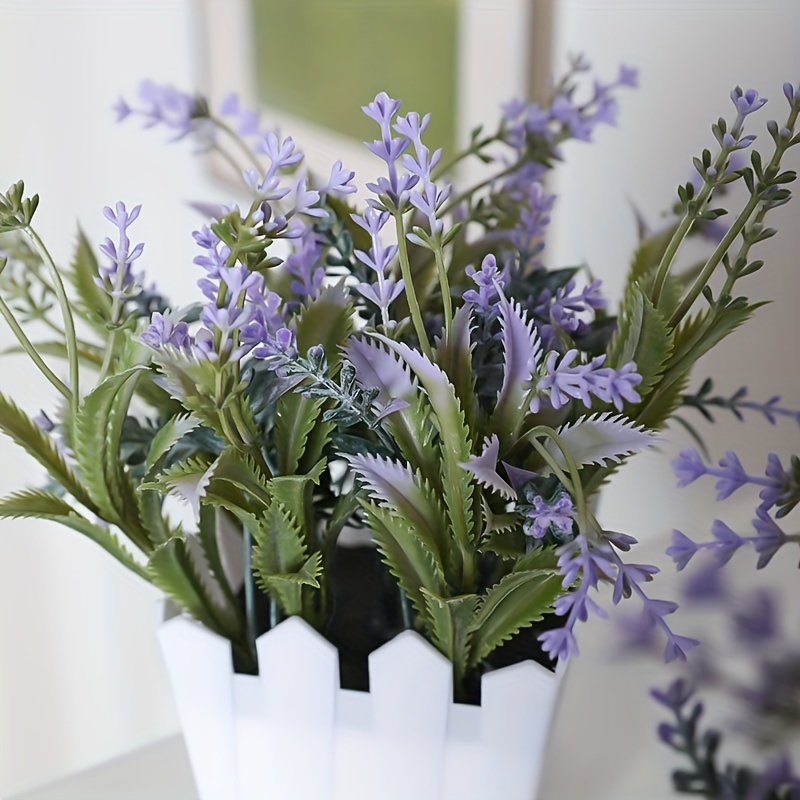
x=117, y=277
x=558, y=515
x=489, y=280
x=161, y=104
x=305, y=265
x=165, y=331
x=339, y=181
x=587, y=562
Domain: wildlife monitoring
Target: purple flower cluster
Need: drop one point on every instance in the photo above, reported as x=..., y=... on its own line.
x=246, y=120
x=415, y=186
x=305, y=265
x=557, y=516
x=564, y=114
x=587, y=562
x=384, y=290
x=768, y=540
x=239, y=316
x=489, y=281
x=563, y=380
x=566, y=308
x=534, y=217
x=117, y=278
x=167, y=106
x=779, y=487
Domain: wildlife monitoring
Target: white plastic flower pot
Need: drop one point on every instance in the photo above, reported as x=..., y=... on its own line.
x=291, y=733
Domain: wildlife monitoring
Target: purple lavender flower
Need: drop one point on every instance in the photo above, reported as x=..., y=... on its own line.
x=339, y=181
x=681, y=550
x=165, y=105
x=489, y=280
x=563, y=382
x=534, y=217
x=586, y=562
x=165, y=331
x=117, y=278
x=247, y=120
x=688, y=466
x=304, y=263
x=757, y=621
x=557, y=515
x=385, y=290
x=746, y=102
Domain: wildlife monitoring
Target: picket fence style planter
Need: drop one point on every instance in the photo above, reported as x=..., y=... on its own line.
x=291, y=733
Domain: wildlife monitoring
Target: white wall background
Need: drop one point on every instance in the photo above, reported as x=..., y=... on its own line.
x=80, y=674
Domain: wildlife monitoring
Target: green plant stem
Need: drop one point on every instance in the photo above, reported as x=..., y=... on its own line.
x=249, y=589
x=66, y=311
x=240, y=143
x=228, y=158
x=708, y=270
x=29, y=348
x=572, y=468
x=444, y=285
x=474, y=148
x=467, y=193
x=411, y=295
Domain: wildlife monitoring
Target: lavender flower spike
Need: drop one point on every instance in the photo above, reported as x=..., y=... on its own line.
x=117, y=278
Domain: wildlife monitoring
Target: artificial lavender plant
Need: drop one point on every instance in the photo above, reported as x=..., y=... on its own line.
x=407, y=366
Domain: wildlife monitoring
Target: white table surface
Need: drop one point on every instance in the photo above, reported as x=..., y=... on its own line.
x=159, y=771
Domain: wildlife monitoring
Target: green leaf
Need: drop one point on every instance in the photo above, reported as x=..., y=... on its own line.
x=93, y=303
x=294, y=493
x=295, y=418
x=173, y=569
x=174, y=430
x=454, y=356
x=98, y=429
x=408, y=558
x=648, y=254
x=207, y=536
x=27, y=434
x=243, y=472
x=35, y=503
x=279, y=559
x=450, y=626
x=455, y=444
x=643, y=337
x=516, y=602
x=327, y=320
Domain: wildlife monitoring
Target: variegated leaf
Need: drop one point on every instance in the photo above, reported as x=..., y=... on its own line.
x=601, y=438
x=395, y=485
x=484, y=468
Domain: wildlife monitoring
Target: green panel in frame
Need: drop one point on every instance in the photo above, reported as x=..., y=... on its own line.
x=322, y=60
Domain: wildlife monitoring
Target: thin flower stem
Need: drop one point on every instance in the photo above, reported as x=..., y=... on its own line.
x=572, y=468
x=475, y=147
x=240, y=143
x=66, y=311
x=228, y=158
x=713, y=262
x=466, y=194
x=444, y=284
x=411, y=295
x=28, y=347
x=249, y=589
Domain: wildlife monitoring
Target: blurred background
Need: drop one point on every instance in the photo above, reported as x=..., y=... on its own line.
x=81, y=678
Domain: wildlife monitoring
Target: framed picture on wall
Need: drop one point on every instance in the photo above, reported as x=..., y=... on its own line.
x=310, y=65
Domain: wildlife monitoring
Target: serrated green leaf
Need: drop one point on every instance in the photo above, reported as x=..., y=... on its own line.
x=643, y=337
x=326, y=320
x=451, y=633
x=279, y=557
x=455, y=444
x=98, y=428
x=517, y=601
x=408, y=558
x=172, y=568
x=294, y=492
x=243, y=472
x=207, y=536
x=288, y=589
x=295, y=418
x=174, y=429
x=39, y=504
x=454, y=356
x=93, y=303
x=27, y=434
